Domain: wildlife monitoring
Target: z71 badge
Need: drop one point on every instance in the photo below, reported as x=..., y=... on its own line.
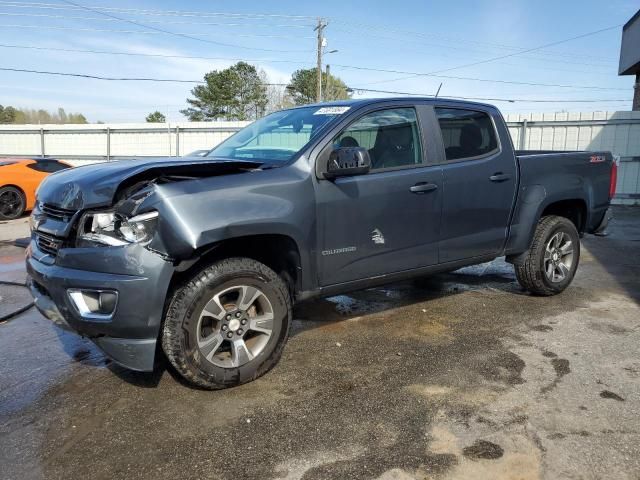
x=597, y=159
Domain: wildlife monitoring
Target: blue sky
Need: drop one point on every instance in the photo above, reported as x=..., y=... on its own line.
x=404, y=35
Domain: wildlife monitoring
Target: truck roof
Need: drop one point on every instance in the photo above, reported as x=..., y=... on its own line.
x=371, y=101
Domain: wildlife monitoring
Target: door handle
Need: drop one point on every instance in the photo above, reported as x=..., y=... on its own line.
x=499, y=177
x=423, y=187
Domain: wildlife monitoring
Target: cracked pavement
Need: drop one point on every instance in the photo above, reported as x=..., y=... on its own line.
x=455, y=376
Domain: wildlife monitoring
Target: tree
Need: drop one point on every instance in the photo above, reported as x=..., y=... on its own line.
x=23, y=116
x=76, y=118
x=303, y=87
x=7, y=114
x=235, y=93
x=62, y=115
x=156, y=117
x=278, y=98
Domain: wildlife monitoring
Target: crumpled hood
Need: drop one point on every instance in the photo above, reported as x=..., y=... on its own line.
x=96, y=185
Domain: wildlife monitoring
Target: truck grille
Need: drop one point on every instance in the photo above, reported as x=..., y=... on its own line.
x=61, y=214
x=48, y=243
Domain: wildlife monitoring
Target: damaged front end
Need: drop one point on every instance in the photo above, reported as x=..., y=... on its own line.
x=99, y=260
x=113, y=204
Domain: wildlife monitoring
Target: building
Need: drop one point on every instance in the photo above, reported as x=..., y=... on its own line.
x=630, y=55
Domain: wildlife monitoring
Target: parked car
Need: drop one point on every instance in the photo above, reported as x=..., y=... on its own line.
x=206, y=257
x=19, y=179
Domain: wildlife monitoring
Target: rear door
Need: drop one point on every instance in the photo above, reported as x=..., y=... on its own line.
x=479, y=181
x=387, y=220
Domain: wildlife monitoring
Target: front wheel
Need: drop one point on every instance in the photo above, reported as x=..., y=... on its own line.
x=552, y=260
x=228, y=325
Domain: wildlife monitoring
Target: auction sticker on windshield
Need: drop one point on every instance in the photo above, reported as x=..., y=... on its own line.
x=331, y=110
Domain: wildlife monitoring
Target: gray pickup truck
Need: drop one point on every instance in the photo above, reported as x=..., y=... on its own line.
x=203, y=258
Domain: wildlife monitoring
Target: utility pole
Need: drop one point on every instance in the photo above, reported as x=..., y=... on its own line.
x=636, y=94
x=320, y=28
x=327, y=87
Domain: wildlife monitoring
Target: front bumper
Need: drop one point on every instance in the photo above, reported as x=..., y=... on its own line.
x=141, y=279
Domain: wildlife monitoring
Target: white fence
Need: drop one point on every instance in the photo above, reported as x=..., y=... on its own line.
x=105, y=142
x=618, y=132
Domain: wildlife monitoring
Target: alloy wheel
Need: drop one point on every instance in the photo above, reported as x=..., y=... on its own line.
x=558, y=257
x=235, y=326
x=10, y=204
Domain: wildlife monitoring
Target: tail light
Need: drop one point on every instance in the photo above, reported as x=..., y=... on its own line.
x=614, y=179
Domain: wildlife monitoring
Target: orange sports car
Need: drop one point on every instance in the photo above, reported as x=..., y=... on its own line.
x=19, y=179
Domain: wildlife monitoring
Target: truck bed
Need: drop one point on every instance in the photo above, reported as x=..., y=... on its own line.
x=547, y=177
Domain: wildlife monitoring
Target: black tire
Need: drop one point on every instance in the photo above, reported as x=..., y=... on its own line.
x=182, y=328
x=531, y=273
x=12, y=203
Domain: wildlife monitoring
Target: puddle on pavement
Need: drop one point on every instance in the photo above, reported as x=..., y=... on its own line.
x=483, y=449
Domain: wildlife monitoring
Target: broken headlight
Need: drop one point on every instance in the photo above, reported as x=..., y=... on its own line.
x=114, y=229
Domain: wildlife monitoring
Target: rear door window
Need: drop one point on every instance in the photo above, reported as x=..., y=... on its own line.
x=466, y=133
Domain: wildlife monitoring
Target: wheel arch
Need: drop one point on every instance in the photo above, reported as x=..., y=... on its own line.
x=277, y=251
x=17, y=187
x=574, y=209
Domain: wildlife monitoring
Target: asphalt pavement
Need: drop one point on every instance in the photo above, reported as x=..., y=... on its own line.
x=456, y=376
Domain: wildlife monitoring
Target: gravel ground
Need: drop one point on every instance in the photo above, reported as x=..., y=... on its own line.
x=457, y=376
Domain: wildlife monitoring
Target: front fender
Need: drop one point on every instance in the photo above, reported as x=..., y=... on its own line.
x=199, y=213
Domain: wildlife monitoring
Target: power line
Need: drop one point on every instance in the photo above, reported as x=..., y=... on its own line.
x=370, y=28
x=158, y=55
x=487, y=99
x=116, y=79
x=352, y=67
x=412, y=39
x=488, y=60
x=208, y=24
x=168, y=32
x=356, y=89
x=142, y=32
x=529, y=50
x=153, y=55
x=98, y=77
x=451, y=77
x=133, y=11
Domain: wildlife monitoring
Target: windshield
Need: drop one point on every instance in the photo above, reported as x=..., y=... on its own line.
x=278, y=137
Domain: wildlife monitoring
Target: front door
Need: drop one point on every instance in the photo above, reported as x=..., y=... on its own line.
x=387, y=220
x=479, y=180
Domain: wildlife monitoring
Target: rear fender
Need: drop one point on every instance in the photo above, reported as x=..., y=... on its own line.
x=532, y=202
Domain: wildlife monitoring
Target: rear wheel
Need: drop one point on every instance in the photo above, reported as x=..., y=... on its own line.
x=552, y=259
x=228, y=325
x=12, y=203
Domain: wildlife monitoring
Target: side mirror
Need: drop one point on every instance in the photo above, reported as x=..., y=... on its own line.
x=345, y=161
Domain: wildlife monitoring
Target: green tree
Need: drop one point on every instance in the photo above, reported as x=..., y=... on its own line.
x=303, y=87
x=76, y=118
x=7, y=114
x=156, y=117
x=62, y=115
x=25, y=115
x=235, y=93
